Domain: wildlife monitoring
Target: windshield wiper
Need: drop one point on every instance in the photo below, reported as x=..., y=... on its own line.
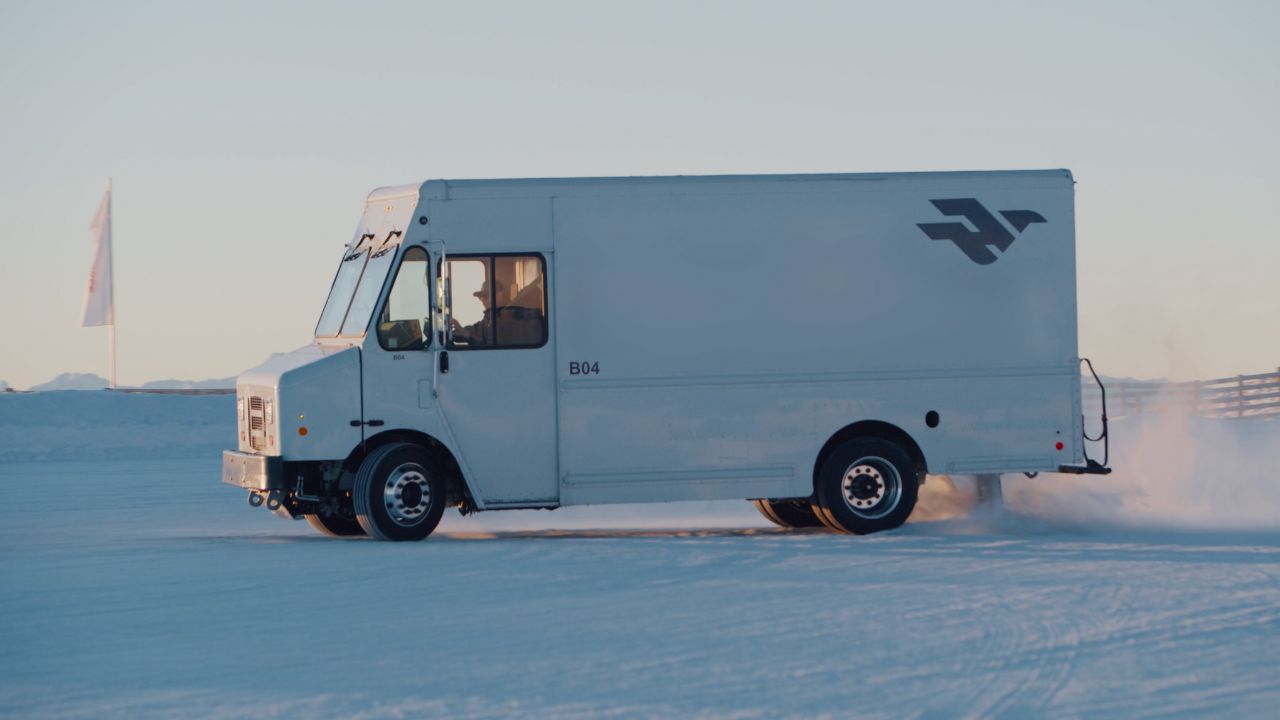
x=385, y=246
x=359, y=250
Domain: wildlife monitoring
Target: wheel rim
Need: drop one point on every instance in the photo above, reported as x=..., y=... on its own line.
x=407, y=495
x=871, y=488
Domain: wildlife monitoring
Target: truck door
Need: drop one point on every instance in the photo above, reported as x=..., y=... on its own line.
x=396, y=362
x=496, y=389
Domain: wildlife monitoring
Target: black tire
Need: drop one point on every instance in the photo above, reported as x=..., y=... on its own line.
x=399, y=493
x=788, y=513
x=767, y=512
x=867, y=485
x=335, y=525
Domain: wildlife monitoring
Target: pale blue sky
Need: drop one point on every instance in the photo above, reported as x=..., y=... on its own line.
x=242, y=138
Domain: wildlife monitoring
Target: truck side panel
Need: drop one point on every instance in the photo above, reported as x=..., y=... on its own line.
x=728, y=332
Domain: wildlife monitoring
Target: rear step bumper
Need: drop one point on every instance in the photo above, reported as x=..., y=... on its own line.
x=1093, y=467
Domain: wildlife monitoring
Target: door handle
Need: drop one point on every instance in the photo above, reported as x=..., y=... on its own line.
x=444, y=362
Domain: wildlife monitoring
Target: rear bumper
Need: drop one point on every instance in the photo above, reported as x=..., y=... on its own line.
x=252, y=472
x=1093, y=467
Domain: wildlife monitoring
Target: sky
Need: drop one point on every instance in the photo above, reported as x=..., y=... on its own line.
x=242, y=139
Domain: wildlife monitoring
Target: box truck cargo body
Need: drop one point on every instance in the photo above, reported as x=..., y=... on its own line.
x=814, y=342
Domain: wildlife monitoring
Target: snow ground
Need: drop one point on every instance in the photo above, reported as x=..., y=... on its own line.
x=134, y=584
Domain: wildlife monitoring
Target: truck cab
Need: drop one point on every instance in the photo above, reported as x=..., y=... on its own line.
x=414, y=347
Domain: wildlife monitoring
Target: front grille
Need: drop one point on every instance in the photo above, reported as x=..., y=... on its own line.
x=257, y=423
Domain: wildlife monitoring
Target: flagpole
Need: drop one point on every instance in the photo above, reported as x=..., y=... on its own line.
x=111, y=327
x=111, y=340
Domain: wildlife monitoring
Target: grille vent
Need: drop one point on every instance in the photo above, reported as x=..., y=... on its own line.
x=257, y=423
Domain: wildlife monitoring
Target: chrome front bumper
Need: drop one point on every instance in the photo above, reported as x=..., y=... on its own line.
x=252, y=472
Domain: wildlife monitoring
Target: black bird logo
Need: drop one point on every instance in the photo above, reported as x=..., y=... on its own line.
x=990, y=231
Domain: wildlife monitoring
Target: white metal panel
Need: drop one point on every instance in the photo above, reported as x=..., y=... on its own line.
x=389, y=210
x=316, y=386
x=500, y=404
x=392, y=376
x=808, y=281
x=492, y=225
x=739, y=330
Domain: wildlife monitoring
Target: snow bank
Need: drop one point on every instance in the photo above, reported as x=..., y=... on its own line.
x=82, y=425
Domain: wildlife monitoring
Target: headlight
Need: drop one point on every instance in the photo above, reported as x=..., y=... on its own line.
x=240, y=408
x=267, y=413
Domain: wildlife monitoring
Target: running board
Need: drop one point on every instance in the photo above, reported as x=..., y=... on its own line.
x=1092, y=468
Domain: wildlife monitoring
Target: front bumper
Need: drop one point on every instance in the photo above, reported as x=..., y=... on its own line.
x=252, y=472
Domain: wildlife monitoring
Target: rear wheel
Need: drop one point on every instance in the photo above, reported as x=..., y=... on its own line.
x=399, y=493
x=788, y=513
x=866, y=485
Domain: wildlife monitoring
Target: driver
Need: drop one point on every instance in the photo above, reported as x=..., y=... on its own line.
x=477, y=333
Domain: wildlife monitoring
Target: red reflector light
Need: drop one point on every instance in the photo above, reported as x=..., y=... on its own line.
x=1059, y=446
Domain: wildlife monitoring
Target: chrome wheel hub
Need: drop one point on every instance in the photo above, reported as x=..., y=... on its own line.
x=407, y=494
x=871, y=487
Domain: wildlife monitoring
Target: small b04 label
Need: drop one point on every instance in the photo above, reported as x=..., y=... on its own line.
x=584, y=368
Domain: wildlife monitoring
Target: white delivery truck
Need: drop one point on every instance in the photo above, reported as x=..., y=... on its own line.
x=815, y=343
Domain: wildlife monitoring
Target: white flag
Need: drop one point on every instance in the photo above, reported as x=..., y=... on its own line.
x=99, y=303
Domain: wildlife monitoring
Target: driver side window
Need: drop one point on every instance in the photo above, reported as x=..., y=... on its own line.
x=405, y=322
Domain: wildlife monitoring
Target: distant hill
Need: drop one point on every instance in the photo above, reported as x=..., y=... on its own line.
x=89, y=381
x=73, y=381
x=210, y=384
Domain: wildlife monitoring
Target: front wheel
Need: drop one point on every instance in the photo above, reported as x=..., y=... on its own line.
x=335, y=525
x=866, y=485
x=399, y=493
x=788, y=513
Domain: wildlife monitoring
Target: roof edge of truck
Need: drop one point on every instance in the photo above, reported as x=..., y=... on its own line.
x=1063, y=173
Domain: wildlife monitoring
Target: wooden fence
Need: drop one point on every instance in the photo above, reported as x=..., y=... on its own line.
x=1240, y=397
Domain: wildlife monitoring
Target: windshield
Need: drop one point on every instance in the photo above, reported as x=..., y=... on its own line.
x=355, y=290
x=335, y=308
x=366, y=295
